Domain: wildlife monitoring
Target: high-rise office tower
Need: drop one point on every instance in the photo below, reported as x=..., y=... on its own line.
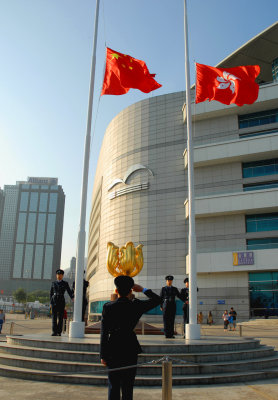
x=31, y=233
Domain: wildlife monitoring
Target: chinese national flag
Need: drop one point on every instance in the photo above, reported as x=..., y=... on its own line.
x=227, y=85
x=124, y=72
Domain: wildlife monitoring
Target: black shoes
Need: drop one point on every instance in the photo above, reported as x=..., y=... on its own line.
x=54, y=334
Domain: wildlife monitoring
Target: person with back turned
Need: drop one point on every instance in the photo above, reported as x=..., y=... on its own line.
x=57, y=301
x=168, y=296
x=119, y=346
x=84, y=297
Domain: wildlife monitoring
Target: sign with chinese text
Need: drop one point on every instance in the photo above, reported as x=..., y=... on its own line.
x=243, y=258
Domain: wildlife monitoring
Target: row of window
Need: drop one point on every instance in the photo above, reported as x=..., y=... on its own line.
x=258, y=118
x=33, y=227
x=34, y=201
x=44, y=187
x=33, y=261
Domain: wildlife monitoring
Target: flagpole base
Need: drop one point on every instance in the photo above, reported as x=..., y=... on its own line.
x=192, y=332
x=76, y=329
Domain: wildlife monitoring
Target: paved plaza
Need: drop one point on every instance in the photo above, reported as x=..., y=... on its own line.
x=266, y=330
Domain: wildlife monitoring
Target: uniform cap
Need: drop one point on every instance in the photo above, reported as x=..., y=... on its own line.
x=124, y=282
x=186, y=280
x=60, y=271
x=169, y=277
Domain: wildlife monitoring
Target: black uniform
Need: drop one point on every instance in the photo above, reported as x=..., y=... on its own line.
x=185, y=307
x=168, y=296
x=119, y=345
x=84, y=298
x=57, y=301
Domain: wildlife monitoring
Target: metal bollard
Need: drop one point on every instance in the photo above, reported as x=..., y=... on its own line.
x=167, y=379
x=12, y=328
x=240, y=330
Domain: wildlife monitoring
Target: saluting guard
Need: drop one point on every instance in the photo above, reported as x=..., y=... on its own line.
x=168, y=296
x=57, y=301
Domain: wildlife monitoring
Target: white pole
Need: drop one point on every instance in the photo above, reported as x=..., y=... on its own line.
x=192, y=329
x=77, y=326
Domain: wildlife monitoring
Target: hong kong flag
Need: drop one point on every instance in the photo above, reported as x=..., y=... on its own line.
x=124, y=72
x=227, y=85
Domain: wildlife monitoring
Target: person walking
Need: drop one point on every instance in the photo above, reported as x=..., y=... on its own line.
x=168, y=296
x=234, y=314
x=57, y=301
x=2, y=319
x=119, y=346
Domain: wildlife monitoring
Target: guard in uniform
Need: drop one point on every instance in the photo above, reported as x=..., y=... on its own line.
x=185, y=307
x=57, y=301
x=168, y=296
x=185, y=299
x=84, y=297
x=119, y=346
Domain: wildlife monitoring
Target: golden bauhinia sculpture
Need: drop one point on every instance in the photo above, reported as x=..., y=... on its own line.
x=127, y=260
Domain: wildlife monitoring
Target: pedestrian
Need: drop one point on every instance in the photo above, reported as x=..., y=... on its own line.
x=225, y=317
x=234, y=314
x=200, y=317
x=119, y=346
x=84, y=296
x=230, y=319
x=57, y=301
x=210, y=319
x=168, y=296
x=2, y=319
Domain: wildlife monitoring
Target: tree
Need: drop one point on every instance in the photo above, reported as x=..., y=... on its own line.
x=41, y=295
x=20, y=295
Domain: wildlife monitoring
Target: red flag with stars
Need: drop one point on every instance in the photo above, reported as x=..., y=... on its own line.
x=124, y=72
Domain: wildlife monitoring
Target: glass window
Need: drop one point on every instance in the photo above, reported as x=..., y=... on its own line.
x=258, y=118
x=260, y=186
x=24, y=201
x=264, y=243
x=263, y=293
x=31, y=225
x=260, y=168
x=38, y=262
x=25, y=186
x=48, y=260
x=21, y=227
x=43, y=202
x=18, y=261
x=50, y=234
x=54, y=187
x=35, y=187
x=28, y=260
x=44, y=187
x=261, y=222
x=34, y=201
x=53, y=202
x=41, y=228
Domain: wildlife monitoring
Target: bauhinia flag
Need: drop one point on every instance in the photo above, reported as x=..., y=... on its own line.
x=124, y=72
x=227, y=85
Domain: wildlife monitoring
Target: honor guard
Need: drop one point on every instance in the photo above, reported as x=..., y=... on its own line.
x=185, y=299
x=57, y=301
x=119, y=346
x=84, y=297
x=168, y=296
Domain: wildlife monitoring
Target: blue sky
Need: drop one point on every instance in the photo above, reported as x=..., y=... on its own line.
x=46, y=48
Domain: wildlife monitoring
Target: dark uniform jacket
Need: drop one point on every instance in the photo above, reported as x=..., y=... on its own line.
x=57, y=292
x=185, y=296
x=168, y=295
x=118, y=341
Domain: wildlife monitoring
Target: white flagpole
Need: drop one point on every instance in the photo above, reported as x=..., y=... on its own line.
x=77, y=326
x=192, y=329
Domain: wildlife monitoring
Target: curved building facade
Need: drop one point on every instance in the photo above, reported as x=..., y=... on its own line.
x=139, y=194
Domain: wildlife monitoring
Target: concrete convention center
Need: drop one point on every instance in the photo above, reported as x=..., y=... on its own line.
x=140, y=193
